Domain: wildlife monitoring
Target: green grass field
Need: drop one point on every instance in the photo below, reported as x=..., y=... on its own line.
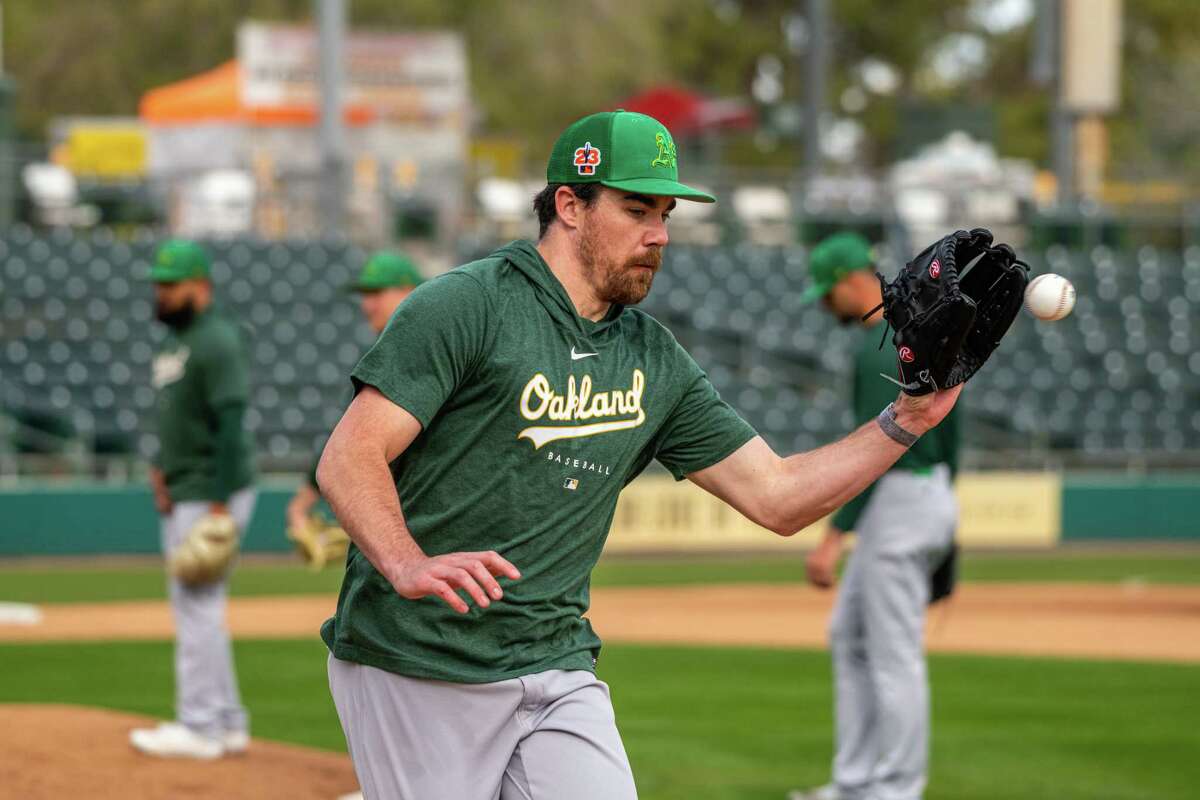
x=726, y=724
x=712, y=723
x=21, y=582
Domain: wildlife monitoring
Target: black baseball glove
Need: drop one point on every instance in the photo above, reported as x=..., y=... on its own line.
x=944, y=579
x=947, y=324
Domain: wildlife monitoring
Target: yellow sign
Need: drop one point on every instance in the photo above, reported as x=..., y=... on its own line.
x=106, y=151
x=1010, y=509
x=497, y=158
x=656, y=513
x=996, y=509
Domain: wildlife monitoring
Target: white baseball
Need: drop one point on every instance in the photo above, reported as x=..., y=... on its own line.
x=1050, y=297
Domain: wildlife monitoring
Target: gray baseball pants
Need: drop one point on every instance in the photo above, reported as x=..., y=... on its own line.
x=547, y=736
x=206, y=690
x=877, y=637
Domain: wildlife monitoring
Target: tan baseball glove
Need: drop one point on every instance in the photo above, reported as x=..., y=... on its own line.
x=319, y=541
x=207, y=551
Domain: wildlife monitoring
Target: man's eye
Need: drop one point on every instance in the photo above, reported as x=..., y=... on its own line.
x=638, y=212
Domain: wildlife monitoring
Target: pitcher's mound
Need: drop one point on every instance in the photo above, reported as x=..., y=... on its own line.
x=56, y=752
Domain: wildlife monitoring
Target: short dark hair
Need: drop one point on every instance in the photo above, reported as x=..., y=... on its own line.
x=547, y=209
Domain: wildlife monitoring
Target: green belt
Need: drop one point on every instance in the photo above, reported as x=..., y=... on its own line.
x=926, y=470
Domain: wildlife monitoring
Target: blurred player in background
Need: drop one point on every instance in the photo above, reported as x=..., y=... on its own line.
x=383, y=284
x=905, y=524
x=204, y=468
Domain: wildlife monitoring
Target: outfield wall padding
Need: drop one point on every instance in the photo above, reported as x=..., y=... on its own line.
x=49, y=519
x=1124, y=508
x=999, y=509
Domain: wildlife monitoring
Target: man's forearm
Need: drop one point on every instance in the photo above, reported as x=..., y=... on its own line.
x=359, y=488
x=354, y=477
x=231, y=451
x=301, y=504
x=812, y=485
x=158, y=486
x=788, y=494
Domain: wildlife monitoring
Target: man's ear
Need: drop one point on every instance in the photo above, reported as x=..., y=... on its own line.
x=202, y=290
x=568, y=207
x=865, y=279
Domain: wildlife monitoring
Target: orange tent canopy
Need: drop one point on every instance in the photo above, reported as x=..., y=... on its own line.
x=215, y=96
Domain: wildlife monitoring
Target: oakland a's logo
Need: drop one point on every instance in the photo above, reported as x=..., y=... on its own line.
x=666, y=151
x=168, y=367
x=581, y=412
x=587, y=158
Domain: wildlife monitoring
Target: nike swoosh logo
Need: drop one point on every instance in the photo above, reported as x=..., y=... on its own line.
x=576, y=356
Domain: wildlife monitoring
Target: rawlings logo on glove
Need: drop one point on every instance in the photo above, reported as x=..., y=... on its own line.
x=946, y=324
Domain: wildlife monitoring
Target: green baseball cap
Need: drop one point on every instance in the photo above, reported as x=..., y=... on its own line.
x=386, y=270
x=832, y=259
x=179, y=260
x=621, y=149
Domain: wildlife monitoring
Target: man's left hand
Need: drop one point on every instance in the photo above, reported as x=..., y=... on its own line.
x=917, y=414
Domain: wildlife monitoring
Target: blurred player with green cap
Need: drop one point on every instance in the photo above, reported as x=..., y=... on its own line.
x=477, y=470
x=385, y=281
x=837, y=265
x=905, y=525
x=204, y=470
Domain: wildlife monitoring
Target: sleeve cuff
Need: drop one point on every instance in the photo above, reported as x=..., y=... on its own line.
x=422, y=414
x=681, y=471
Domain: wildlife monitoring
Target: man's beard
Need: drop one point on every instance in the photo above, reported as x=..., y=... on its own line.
x=624, y=284
x=178, y=318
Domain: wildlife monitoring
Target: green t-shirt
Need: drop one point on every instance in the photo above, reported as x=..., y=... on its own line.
x=201, y=371
x=533, y=420
x=872, y=393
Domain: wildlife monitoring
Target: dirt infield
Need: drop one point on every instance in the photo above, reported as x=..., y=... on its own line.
x=1112, y=621
x=57, y=752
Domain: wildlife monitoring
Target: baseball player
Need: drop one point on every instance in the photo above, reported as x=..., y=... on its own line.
x=383, y=284
x=204, y=470
x=477, y=471
x=905, y=523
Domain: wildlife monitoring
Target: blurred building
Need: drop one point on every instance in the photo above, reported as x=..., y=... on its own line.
x=960, y=182
x=237, y=148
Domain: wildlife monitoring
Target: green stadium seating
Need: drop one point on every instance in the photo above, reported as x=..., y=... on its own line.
x=1117, y=379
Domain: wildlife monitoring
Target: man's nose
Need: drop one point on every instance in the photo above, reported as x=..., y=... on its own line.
x=657, y=235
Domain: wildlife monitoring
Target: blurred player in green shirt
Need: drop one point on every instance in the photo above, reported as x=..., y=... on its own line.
x=385, y=281
x=905, y=523
x=205, y=465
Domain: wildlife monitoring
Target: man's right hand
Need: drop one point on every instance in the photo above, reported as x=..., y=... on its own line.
x=442, y=575
x=354, y=477
x=821, y=564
